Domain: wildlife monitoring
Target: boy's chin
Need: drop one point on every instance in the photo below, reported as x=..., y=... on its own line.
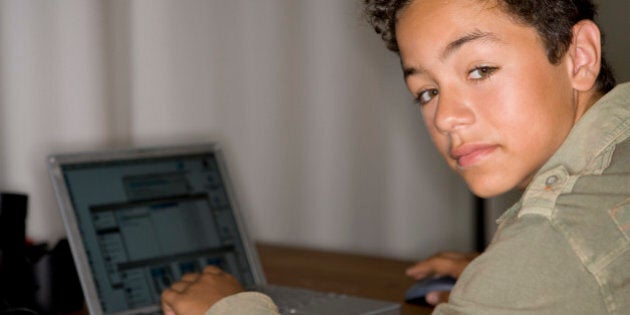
x=486, y=188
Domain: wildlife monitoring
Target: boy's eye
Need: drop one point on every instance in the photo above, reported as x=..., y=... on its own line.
x=480, y=73
x=426, y=96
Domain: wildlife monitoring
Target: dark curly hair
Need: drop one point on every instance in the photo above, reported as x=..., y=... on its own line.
x=552, y=19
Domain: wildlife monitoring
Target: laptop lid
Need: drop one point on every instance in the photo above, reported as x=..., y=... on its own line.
x=138, y=219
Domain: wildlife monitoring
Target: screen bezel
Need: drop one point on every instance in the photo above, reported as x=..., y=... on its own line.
x=57, y=162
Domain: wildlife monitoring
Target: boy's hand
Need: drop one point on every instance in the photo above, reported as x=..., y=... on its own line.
x=195, y=293
x=442, y=264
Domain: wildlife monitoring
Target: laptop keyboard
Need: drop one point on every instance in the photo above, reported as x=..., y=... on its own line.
x=292, y=300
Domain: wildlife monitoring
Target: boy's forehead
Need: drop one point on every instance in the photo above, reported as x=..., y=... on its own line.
x=436, y=20
x=428, y=7
x=443, y=20
x=441, y=3
x=431, y=30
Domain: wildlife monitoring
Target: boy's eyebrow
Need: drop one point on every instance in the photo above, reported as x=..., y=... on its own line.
x=475, y=35
x=453, y=46
x=408, y=71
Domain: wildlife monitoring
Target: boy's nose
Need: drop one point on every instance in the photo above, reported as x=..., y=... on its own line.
x=452, y=112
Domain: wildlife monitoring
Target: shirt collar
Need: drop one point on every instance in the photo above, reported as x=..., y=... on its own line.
x=602, y=125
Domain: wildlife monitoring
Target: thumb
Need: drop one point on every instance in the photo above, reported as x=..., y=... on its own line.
x=437, y=297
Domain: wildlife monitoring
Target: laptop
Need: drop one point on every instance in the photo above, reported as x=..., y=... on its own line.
x=138, y=219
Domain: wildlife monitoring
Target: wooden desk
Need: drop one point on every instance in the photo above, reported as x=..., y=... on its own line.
x=360, y=275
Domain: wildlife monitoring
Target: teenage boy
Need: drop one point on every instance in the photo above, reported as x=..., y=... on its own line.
x=515, y=94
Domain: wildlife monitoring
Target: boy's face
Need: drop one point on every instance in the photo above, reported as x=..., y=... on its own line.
x=493, y=104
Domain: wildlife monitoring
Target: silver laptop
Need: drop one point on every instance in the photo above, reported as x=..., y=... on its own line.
x=138, y=219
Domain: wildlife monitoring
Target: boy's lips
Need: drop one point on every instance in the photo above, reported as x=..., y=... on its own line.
x=469, y=154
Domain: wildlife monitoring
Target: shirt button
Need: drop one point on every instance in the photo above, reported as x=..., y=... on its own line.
x=551, y=180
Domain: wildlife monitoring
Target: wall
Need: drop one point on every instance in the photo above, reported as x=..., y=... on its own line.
x=615, y=24
x=323, y=142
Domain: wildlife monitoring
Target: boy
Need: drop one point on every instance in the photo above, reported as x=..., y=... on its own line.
x=515, y=94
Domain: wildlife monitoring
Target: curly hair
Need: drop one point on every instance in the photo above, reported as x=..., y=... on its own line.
x=552, y=19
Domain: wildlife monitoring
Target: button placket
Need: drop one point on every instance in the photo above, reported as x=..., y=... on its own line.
x=550, y=181
x=541, y=196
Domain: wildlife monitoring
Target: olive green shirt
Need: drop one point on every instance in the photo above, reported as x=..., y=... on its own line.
x=564, y=248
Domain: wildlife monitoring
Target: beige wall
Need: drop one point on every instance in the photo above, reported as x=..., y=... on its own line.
x=614, y=19
x=323, y=139
x=325, y=145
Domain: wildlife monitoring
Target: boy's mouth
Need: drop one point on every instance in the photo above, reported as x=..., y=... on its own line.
x=468, y=155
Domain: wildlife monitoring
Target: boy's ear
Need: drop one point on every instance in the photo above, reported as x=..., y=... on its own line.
x=584, y=55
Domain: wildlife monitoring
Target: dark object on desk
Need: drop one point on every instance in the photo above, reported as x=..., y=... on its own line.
x=6, y=309
x=66, y=291
x=58, y=287
x=418, y=292
x=17, y=282
x=33, y=280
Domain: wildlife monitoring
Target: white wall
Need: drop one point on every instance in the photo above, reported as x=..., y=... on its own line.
x=323, y=141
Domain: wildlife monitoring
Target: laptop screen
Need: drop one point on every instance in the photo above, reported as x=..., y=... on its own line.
x=144, y=222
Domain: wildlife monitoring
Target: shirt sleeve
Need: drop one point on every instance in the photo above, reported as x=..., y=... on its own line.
x=530, y=271
x=251, y=303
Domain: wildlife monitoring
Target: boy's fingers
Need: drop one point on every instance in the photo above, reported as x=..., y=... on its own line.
x=166, y=309
x=180, y=286
x=442, y=264
x=212, y=270
x=168, y=296
x=437, y=297
x=190, y=277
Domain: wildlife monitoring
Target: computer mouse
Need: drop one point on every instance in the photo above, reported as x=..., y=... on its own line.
x=417, y=292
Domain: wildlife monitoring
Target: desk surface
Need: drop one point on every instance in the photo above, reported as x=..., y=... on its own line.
x=366, y=276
